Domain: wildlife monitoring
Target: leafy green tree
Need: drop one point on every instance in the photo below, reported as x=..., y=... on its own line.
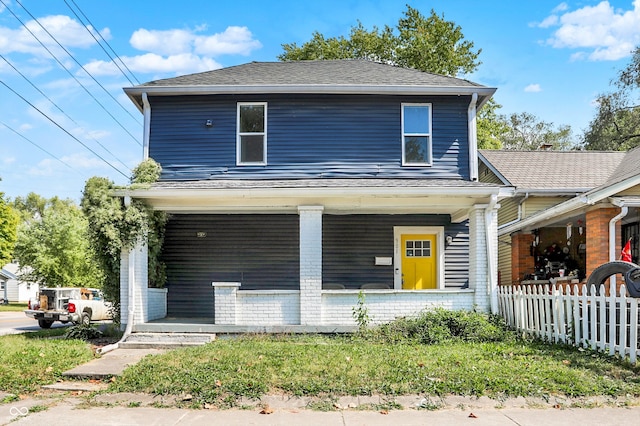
x=33, y=206
x=8, y=230
x=527, y=132
x=492, y=127
x=430, y=44
x=114, y=227
x=616, y=125
x=53, y=249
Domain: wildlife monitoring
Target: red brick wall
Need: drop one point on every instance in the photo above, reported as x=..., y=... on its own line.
x=597, y=231
x=521, y=260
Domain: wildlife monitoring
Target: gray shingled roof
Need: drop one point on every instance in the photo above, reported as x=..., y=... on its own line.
x=331, y=72
x=627, y=168
x=351, y=76
x=573, y=171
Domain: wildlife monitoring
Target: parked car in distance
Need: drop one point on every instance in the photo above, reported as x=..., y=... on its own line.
x=68, y=304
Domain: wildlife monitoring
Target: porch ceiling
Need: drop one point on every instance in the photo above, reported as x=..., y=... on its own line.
x=335, y=199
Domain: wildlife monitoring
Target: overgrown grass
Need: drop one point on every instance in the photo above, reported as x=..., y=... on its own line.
x=488, y=361
x=13, y=307
x=31, y=360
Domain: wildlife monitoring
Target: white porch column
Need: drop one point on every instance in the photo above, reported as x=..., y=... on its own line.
x=310, y=264
x=134, y=276
x=483, y=255
x=225, y=297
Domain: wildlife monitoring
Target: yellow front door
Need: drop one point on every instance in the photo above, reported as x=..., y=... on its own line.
x=419, y=261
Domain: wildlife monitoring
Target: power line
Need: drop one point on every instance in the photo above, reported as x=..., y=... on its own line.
x=115, y=59
x=39, y=147
x=76, y=61
x=69, y=72
x=60, y=109
x=62, y=128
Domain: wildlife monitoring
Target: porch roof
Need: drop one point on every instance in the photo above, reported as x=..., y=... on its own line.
x=398, y=196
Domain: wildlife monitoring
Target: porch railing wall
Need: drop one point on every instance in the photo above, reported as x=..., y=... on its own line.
x=573, y=315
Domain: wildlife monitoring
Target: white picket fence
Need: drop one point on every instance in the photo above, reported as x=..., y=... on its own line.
x=603, y=323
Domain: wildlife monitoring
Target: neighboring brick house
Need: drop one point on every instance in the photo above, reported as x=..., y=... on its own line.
x=584, y=202
x=293, y=186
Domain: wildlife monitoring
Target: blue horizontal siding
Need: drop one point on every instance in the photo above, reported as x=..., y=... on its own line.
x=307, y=136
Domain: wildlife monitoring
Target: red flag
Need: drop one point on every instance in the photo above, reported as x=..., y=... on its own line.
x=625, y=256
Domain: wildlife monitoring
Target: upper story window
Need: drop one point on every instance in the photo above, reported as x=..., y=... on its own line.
x=251, y=144
x=416, y=134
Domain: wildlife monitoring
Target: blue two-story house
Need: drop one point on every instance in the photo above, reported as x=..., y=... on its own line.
x=294, y=186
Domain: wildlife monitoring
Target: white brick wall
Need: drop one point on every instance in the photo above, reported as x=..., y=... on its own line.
x=157, y=305
x=387, y=305
x=310, y=263
x=267, y=307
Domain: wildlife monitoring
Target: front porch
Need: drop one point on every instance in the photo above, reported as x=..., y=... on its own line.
x=279, y=311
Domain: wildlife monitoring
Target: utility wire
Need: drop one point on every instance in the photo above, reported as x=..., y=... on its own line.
x=116, y=58
x=69, y=72
x=39, y=147
x=77, y=62
x=60, y=109
x=63, y=129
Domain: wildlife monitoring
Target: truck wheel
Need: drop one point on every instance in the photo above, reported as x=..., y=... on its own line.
x=44, y=323
x=86, y=318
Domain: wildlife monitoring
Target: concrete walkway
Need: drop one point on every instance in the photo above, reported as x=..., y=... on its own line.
x=110, y=364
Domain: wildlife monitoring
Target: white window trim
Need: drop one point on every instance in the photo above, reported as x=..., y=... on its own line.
x=398, y=231
x=429, y=135
x=238, y=134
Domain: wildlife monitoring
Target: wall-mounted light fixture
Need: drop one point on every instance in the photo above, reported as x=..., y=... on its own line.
x=448, y=239
x=208, y=123
x=201, y=234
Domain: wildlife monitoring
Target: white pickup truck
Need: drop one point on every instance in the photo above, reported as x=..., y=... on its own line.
x=65, y=304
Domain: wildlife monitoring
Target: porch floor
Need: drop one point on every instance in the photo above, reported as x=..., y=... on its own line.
x=206, y=325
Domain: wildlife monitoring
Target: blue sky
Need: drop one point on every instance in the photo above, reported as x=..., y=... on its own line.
x=548, y=58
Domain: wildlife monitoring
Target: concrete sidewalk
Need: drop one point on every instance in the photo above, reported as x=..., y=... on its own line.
x=69, y=410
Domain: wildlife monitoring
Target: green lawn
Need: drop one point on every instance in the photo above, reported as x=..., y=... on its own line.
x=28, y=361
x=225, y=370
x=13, y=307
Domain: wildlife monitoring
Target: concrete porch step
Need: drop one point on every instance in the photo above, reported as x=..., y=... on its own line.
x=165, y=340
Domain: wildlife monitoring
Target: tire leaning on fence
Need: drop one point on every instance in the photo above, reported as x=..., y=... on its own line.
x=630, y=271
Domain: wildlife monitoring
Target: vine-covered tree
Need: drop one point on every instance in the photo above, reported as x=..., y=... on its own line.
x=616, y=125
x=114, y=227
x=430, y=44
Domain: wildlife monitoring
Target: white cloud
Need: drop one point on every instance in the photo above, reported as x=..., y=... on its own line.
x=184, y=63
x=8, y=160
x=232, y=41
x=602, y=32
x=533, y=88
x=180, y=51
x=78, y=161
x=68, y=32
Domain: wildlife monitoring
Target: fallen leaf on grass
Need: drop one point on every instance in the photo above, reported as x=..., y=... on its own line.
x=566, y=362
x=267, y=410
x=48, y=369
x=218, y=383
